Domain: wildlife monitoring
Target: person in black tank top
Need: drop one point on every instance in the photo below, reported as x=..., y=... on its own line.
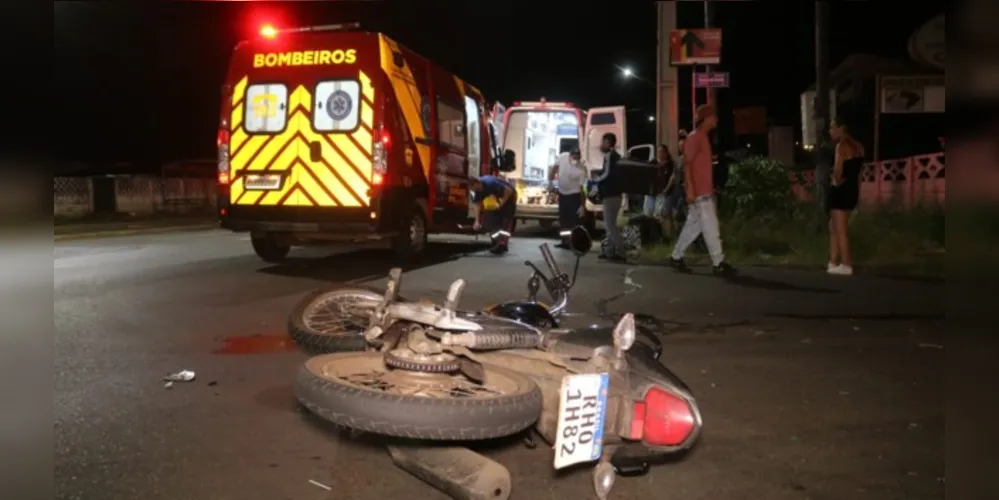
x=843, y=196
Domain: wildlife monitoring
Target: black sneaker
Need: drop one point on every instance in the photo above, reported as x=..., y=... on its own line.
x=679, y=265
x=724, y=269
x=616, y=258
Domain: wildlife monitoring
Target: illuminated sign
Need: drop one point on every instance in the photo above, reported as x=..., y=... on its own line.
x=305, y=58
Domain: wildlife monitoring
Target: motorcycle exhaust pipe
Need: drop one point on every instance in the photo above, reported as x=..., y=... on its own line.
x=458, y=472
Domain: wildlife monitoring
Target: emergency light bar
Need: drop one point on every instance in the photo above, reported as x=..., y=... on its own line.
x=543, y=103
x=268, y=31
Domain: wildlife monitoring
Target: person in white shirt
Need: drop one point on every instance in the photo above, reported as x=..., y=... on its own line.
x=571, y=176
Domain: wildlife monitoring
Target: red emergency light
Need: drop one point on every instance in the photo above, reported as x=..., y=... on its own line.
x=268, y=31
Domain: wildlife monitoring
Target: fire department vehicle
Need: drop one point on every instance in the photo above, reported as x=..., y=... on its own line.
x=333, y=134
x=539, y=131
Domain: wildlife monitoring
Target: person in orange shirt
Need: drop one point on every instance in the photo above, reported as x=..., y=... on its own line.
x=699, y=192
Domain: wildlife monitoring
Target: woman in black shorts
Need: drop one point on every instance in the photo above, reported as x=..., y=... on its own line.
x=844, y=193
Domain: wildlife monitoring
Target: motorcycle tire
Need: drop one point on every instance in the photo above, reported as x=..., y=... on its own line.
x=314, y=341
x=365, y=408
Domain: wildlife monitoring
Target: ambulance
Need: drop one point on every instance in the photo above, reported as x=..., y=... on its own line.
x=331, y=134
x=538, y=132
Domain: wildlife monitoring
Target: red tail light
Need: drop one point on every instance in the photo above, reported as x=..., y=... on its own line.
x=377, y=179
x=662, y=419
x=222, y=141
x=382, y=146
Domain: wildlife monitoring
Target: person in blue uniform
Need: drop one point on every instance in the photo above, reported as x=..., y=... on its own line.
x=496, y=205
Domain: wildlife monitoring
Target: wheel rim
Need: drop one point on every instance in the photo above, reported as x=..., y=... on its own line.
x=367, y=371
x=340, y=312
x=416, y=233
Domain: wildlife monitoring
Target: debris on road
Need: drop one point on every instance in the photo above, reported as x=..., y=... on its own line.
x=844, y=393
x=321, y=485
x=927, y=345
x=168, y=385
x=181, y=376
x=213, y=383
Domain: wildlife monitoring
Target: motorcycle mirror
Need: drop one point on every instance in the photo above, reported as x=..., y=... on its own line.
x=580, y=241
x=624, y=333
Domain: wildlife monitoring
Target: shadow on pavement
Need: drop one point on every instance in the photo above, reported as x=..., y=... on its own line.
x=363, y=263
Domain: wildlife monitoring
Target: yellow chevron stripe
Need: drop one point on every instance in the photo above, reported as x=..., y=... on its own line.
x=297, y=199
x=354, y=156
x=408, y=96
x=237, y=117
x=357, y=183
x=267, y=153
x=366, y=88
x=236, y=163
x=237, y=91
x=238, y=136
x=235, y=190
x=363, y=137
x=300, y=98
x=285, y=159
x=307, y=182
x=249, y=198
x=367, y=116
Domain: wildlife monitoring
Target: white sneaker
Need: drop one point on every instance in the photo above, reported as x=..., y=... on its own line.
x=831, y=267
x=841, y=270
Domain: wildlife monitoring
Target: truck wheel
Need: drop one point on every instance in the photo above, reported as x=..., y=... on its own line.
x=269, y=248
x=412, y=237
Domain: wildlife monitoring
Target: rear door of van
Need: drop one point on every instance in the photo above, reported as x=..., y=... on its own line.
x=303, y=116
x=599, y=121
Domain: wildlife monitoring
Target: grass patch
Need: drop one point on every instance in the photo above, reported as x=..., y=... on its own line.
x=893, y=241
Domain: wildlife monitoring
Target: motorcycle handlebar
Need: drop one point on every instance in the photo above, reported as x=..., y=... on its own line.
x=546, y=253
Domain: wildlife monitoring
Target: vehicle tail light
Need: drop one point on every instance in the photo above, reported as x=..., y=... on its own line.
x=382, y=146
x=268, y=31
x=223, y=150
x=662, y=419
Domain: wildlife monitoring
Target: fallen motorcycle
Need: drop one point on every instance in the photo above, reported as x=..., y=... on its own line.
x=430, y=374
x=334, y=320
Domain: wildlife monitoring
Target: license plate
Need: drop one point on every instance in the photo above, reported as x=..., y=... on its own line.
x=582, y=410
x=262, y=182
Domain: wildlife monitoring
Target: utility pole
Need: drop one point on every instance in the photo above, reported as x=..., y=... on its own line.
x=709, y=22
x=667, y=90
x=823, y=150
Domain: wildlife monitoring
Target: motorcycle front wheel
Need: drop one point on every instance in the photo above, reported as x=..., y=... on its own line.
x=332, y=320
x=357, y=390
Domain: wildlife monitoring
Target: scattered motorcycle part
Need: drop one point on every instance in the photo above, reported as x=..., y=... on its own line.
x=603, y=479
x=356, y=390
x=485, y=340
x=406, y=359
x=332, y=320
x=458, y=472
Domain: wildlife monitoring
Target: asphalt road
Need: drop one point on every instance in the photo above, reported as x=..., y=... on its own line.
x=812, y=387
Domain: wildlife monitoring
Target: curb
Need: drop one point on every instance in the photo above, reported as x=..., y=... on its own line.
x=135, y=230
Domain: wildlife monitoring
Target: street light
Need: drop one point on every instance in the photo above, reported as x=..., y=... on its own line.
x=652, y=118
x=629, y=74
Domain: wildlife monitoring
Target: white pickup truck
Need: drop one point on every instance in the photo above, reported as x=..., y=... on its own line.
x=539, y=131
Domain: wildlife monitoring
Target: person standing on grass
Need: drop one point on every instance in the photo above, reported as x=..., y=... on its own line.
x=844, y=193
x=702, y=217
x=609, y=189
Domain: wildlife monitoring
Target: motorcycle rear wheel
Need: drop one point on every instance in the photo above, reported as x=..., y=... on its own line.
x=328, y=321
x=357, y=390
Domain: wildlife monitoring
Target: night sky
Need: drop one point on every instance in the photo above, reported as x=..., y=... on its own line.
x=152, y=73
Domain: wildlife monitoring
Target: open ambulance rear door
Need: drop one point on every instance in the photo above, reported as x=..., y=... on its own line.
x=599, y=121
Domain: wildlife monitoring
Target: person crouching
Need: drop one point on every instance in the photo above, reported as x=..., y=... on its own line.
x=495, y=207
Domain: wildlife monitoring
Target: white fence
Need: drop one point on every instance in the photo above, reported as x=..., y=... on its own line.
x=134, y=195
